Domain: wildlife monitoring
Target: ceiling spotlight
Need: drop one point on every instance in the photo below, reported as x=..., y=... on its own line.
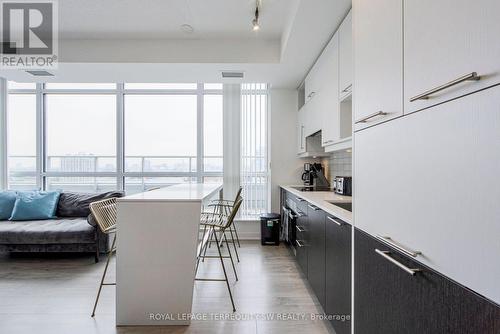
x=255, y=21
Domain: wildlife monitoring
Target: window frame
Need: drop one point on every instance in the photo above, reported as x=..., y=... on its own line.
x=42, y=174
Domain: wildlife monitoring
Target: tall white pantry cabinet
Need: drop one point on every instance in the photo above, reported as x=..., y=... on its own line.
x=427, y=166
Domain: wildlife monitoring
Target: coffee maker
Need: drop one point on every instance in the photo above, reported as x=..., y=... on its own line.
x=313, y=176
x=307, y=175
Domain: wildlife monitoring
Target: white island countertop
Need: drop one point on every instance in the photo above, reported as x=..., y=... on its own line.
x=157, y=239
x=321, y=200
x=194, y=192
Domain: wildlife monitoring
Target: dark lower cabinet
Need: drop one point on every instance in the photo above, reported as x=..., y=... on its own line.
x=388, y=299
x=316, y=252
x=338, y=273
x=302, y=240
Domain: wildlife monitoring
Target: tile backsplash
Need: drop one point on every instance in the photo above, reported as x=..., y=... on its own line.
x=338, y=164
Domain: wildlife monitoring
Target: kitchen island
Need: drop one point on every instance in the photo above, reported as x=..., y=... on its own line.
x=156, y=254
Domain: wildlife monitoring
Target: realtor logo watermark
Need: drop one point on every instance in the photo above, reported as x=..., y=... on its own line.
x=29, y=34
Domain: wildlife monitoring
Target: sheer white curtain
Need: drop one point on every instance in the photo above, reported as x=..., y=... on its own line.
x=254, y=167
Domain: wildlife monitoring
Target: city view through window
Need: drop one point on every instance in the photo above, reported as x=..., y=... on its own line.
x=81, y=121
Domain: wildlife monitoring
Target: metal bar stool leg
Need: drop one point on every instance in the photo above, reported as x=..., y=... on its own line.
x=209, y=243
x=230, y=255
x=236, y=233
x=224, y=270
x=204, y=250
x=234, y=244
x=104, y=275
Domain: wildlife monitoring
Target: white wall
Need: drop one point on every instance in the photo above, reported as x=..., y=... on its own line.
x=286, y=168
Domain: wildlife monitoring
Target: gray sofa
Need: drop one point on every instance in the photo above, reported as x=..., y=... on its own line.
x=74, y=229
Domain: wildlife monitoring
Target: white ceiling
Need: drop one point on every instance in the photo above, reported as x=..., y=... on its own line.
x=159, y=19
x=141, y=40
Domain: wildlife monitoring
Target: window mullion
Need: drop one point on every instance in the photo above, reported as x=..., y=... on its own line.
x=199, y=134
x=40, y=136
x=120, y=142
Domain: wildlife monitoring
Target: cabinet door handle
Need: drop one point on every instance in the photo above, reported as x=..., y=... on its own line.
x=347, y=89
x=315, y=208
x=300, y=229
x=387, y=240
x=301, y=137
x=328, y=141
x=385, y=255
x=365, y=119
x=468, y=77
x=335, y=221
x=299, y=243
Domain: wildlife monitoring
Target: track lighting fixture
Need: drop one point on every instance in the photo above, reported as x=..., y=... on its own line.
x=255, y=21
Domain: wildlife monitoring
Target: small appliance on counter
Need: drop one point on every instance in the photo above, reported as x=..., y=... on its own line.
x=343, y=185
x=313, y=176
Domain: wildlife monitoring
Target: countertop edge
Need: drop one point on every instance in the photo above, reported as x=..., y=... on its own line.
x=331, y=209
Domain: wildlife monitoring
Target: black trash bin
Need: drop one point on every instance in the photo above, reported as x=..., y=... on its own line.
x=270, y=229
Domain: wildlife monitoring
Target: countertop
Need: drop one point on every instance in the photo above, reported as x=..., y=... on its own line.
x=194, y=192
x=320, y=198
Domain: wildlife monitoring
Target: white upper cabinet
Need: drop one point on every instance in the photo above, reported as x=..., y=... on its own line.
x=312, y=82
x=446, y=41
x=378, y=61
x=329, y=96
x=345, y=55
x=301, y=131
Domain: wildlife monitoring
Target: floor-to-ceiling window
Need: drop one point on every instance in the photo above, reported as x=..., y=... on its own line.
x=104, y=136
x=21, y=136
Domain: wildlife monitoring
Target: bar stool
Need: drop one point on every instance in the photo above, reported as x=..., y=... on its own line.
x=218, y=222
x=225, y=207
x=230, y=205
x=105, y=215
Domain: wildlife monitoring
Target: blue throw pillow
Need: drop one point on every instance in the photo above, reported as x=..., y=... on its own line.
x=7, y=201
x=35, y=205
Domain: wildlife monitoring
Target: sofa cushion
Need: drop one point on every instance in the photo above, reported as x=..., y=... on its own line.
x=53, y=231
x=77, y=204
x=7, y=201
x=35, y=205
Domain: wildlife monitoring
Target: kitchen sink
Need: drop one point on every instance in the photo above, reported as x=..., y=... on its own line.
x=344, y=205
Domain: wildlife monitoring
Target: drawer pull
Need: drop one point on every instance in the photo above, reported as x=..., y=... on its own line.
x=385, y=255
x=365, y=119
x=300, y=229
x=299, y=199
x=347, y=89
x=425, y=95
x=335, y=221
x=315, y=208
x=299, y=243
x=390, y=242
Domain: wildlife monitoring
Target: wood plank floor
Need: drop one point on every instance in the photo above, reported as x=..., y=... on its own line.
x=54, y=294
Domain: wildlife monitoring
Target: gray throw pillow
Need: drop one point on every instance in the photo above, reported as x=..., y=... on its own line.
x=77, y=204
